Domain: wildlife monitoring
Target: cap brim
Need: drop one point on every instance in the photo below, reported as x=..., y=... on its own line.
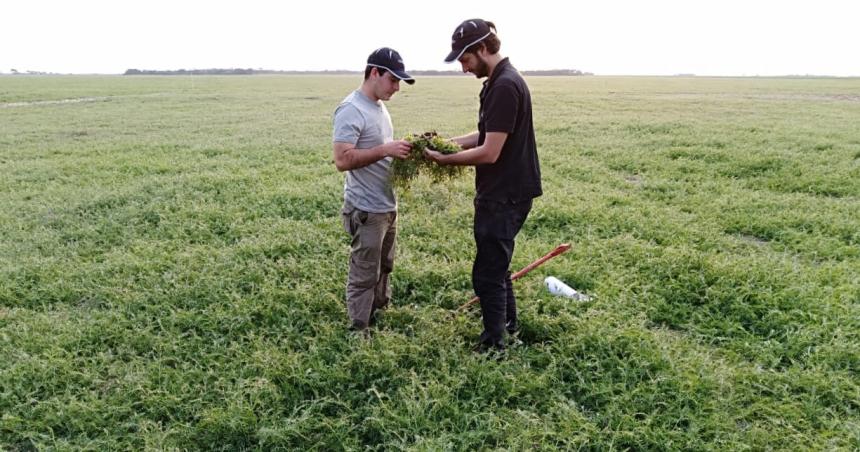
x=403, y=76
x=454, y=55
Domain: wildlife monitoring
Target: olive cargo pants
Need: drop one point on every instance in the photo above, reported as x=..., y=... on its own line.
x=371, y=261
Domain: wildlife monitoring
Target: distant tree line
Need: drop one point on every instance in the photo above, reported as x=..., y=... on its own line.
x=17, y=72
x=573, y=72
x=232, y=71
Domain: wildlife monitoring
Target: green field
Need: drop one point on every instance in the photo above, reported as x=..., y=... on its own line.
x=172, y=269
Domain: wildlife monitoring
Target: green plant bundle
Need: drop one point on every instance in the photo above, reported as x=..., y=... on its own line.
x=403, y=171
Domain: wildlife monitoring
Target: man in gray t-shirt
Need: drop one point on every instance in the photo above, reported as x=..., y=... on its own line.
x=364, y=146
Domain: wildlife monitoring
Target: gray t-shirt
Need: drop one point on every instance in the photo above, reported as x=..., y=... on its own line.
x=366, y=124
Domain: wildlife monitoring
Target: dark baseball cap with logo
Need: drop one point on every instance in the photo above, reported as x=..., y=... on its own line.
x=389, y=59
x=467, y=34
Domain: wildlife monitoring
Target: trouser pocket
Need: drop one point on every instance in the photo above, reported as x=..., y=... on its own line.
x=352, y=219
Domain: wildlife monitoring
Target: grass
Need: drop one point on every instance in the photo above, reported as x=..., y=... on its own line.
x=172, y=269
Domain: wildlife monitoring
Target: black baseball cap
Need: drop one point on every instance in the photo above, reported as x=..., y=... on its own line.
x=389, y=59
x=467, y=34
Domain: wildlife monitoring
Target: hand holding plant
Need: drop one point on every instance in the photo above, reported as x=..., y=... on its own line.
x=403, y=171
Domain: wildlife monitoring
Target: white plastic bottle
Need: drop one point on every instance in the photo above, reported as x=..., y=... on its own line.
x=556, y=287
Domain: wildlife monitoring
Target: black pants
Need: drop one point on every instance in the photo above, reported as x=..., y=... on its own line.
x=496, y=227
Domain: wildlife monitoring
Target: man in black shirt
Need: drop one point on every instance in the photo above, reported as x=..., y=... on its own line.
x=507, y=172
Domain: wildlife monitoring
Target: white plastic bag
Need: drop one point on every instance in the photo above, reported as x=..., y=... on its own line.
x=556, y=287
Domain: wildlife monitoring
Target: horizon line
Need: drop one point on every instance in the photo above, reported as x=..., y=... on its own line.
x=424, y=72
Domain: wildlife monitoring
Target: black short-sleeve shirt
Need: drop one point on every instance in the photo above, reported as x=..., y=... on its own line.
x=506, y=106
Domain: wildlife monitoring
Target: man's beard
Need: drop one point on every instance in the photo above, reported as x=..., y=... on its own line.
x=482, y=69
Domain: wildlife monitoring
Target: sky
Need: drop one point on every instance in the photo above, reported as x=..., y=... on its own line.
x=609, y=37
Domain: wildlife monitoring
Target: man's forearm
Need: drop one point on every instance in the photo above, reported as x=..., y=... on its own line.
x=474, y=156
x=354, y=158
x=487, y=152
x=467, y=141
